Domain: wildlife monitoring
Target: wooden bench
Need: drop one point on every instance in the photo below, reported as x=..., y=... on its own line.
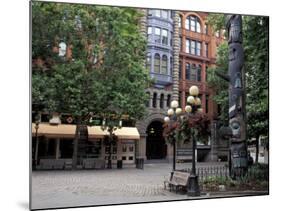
x=178, y=179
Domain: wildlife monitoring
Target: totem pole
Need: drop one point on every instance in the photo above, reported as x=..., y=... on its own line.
x=236, y=77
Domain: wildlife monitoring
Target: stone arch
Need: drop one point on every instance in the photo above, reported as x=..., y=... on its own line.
x=142, y=125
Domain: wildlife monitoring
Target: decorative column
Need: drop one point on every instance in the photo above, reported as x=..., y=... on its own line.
x=176, y=51
x=165, y=102
x=158, y=100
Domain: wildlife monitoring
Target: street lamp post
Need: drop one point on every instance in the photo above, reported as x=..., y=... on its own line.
x=174, y=115
x=194, y=106
x=174, y=112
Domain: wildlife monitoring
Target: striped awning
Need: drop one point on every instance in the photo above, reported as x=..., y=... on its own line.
x=68, y=131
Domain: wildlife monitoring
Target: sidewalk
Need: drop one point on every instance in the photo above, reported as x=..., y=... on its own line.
x=110, y=186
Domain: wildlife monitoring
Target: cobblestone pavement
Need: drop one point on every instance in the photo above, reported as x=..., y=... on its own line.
x=108, y=186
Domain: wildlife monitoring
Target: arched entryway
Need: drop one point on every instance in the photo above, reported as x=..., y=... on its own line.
x=156, y=147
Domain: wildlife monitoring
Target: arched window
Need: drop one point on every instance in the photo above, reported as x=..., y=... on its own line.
x=198, y=26
x=164, y=65
x=192, y=23
x=154, y=100
x=62, y=49
x=187, y=71
x=187, y=23
x=148, y=61
x=157, y=63
x=168, y=100
x=147, y=102
x=162, y=101
x=199, y=70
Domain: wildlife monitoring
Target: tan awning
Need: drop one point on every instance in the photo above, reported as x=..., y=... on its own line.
x=55, y=131
x=123, y=133
x=68, y=131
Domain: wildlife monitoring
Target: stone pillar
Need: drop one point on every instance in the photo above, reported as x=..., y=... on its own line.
x=150, y=100
x=142, y=147
x=158, y=101
x=165, y=102
x=57, y=148
x=214, y=141
x=176, y=51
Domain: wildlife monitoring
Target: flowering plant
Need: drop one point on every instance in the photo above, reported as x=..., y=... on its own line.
x=187, y=127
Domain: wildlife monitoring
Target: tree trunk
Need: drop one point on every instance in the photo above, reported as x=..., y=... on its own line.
x=257, y=149
x=109, y=164
x=75, y=144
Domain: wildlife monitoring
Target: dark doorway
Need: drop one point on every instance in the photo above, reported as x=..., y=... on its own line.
x=156, y=147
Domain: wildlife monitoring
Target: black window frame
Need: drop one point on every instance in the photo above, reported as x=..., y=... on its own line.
x=196, y=21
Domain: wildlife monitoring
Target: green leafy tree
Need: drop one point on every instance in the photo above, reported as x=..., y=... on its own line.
x=256, y=41
x=101, y=73
x=220, y=86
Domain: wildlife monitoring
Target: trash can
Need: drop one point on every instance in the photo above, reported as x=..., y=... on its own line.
x=119, y=164
x=139, y=163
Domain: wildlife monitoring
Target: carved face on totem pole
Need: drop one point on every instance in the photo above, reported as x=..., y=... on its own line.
x=238, y=128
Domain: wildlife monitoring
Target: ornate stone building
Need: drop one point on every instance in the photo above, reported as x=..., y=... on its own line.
x=181, y=47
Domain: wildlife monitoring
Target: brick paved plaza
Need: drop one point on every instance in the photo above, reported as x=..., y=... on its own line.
x=98, y=187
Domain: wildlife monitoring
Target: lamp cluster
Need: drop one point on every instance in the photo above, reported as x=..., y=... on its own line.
x=193, y=104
